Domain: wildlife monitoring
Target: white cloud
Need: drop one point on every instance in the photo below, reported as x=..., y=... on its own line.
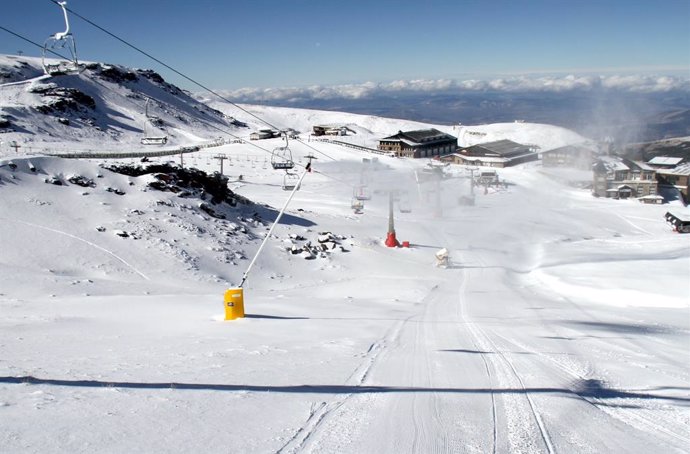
x=631, y=83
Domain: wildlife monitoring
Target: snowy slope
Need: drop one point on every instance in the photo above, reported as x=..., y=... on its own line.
x=102, y=109
x=561, y=324
x=369, y=129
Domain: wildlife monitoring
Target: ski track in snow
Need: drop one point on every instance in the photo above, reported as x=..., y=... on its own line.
x=100, y=248
x=464, y=365
x=507, y=375
x=320, y=412
x=631, y=417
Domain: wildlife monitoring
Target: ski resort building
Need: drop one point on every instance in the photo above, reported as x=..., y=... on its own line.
x=264, y=134
x=423, y=143
x=677, y=177
x=500, y=153
x=571, y=156
x=621, y=179
x=331, y=130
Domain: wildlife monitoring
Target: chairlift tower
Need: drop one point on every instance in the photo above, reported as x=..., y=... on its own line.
x=391, y=240
x=61, y=40
x=471, y=170
x=220, y=158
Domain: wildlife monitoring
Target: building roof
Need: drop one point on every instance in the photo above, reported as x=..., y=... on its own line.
x=643, y=166
x=612, y=164
x=501, y=147
x=570, y=149
x=681, y=170
x=484, y=159
x=421, y=137
x=665, y=161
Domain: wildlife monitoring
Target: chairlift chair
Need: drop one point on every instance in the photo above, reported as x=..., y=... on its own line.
x=357, y=205
x=149, y=138
x=61, y=40
x=281, y=157
x=290, y=181
x=361, y=192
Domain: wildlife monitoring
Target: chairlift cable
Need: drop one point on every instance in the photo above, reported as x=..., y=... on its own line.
x=181, y=74
x=125, y=42
x=269, y=152
x=31, y=42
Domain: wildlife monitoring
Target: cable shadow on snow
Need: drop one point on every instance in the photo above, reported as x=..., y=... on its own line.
x=586, y=389
x=274, y=317
x=623, y=328
x=480, y=352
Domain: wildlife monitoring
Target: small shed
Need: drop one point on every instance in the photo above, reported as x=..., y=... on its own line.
x=261, y=134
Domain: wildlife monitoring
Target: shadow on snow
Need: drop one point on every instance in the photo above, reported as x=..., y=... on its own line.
x=584, y=389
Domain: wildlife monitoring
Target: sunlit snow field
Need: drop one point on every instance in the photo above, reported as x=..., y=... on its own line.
x=561, y=324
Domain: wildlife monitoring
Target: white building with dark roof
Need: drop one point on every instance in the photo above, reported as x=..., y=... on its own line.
x=423, y=143
x=500, y=153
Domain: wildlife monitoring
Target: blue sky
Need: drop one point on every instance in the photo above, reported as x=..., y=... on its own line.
x=282, y=43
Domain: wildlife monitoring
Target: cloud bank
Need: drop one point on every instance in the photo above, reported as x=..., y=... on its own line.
x=633, y=83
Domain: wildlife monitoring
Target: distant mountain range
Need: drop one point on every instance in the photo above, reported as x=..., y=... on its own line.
x=115, y=107
x=622, y=115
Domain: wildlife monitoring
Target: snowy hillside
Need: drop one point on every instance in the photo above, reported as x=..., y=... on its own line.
x=103, y=108
x=560, y=323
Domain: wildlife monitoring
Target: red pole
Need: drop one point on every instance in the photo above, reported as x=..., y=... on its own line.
x=391, y=241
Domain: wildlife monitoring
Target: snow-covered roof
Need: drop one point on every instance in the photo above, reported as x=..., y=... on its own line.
x=665, y=161
x=483, y=159
x=613, y=164
x=420, y=137
x=501, y=147
x=683, y=169
x=643, y=165
x=576, y=148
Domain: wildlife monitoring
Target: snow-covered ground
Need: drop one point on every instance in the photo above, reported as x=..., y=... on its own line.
x=562, y=324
